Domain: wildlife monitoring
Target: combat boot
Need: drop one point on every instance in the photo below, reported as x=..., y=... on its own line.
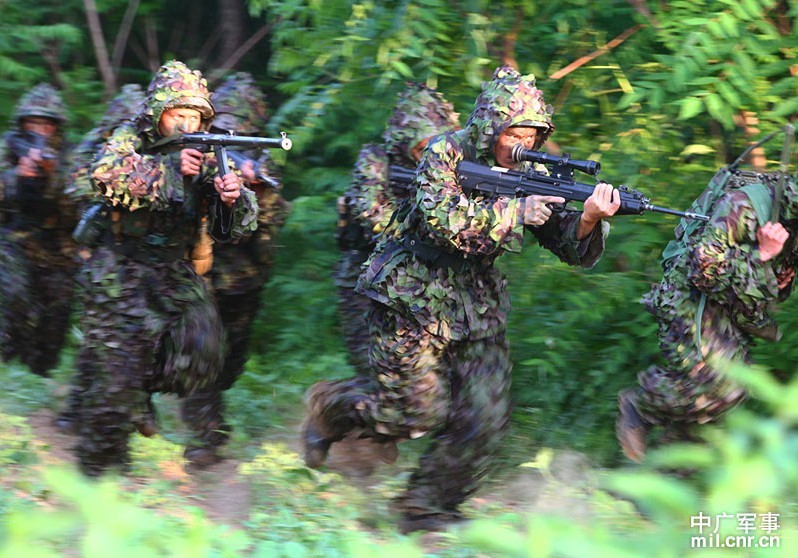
x=67, y=422
x=317, y=434
x=630, y=427
x=201, y=457
x=432, y=522
x=148, y=424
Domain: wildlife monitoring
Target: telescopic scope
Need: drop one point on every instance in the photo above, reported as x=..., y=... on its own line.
x=520, y=154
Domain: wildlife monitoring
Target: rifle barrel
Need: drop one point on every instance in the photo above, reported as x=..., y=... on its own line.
x=669, y=211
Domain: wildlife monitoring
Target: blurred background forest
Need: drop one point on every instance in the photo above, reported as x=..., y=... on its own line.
x=662, y=93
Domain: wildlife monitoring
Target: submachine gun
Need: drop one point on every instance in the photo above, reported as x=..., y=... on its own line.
x=220, y=143
x=500, y=181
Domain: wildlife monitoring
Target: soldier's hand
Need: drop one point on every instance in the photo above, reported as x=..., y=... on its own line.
x=190, y=162
x=27, y=168
x=785, y=278
x=248, y=171
x=536, y=209
x=771, y=238
x=603, y=202
x=229, y=188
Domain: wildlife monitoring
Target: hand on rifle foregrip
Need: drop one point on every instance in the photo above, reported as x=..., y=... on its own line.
x=604, y=202
x=228, y=187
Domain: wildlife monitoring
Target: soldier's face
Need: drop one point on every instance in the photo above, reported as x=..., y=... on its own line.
x=179, y=121
x=508, y=139
x=41, y=125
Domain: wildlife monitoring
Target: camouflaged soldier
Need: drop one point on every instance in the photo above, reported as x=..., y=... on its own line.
x=720, y=281
x=366, y=208
x=37, y=254
x=122, y=107
x=440, y=360
x=237, y=272
x=149, y=322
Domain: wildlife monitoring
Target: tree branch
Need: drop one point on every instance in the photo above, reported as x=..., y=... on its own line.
x=244, y=48
x=123, y=34
x=100, y=49
x=510, y=40
x=596, y=53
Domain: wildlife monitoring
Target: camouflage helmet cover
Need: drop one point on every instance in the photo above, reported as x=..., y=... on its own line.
x=174, y=85
x=240, y=105
x=42, y=100
x=509, y=99
x=123, y=106
x=420, y=112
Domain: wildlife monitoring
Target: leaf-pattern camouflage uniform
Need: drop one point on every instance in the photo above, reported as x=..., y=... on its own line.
x=713, y=276
x=239, y=270
x=79, y=188
x=367, y=206
x=441, y=364
x=124, y=106
x=149, y=323
x=37, y=254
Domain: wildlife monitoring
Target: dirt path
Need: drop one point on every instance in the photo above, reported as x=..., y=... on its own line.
x=225, y=496
x=218, y=490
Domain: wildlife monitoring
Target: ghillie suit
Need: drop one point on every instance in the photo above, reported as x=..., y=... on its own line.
x=366, y=208
x=149, y=323
x=124, y=106
x=37, y=254
x=237, y=272
x=441, y=363
x=714, y=301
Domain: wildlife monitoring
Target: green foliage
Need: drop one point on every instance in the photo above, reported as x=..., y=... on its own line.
x=717, y=58
x=96, y=519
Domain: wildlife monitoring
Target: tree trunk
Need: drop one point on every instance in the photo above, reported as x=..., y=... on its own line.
x=231, y=22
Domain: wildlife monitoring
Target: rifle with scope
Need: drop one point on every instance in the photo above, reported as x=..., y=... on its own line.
x=500, y=181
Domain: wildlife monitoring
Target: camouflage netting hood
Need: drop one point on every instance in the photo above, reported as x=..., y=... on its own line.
x=421, y=112
x=174, y=86
x=43, y=100
x=509, y=99
x=124, y=105
x=240, y=105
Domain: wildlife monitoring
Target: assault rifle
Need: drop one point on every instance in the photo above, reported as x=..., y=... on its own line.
x=500, y=181
x=22, y=142
x=219, y=143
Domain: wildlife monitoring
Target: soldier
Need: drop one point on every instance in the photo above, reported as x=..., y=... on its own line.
x=122, y=107
x=366, y=208
x=719, y=282
x=236, y=272
x=440, y=360
x=125, y=105
x=36, y=252
x=150, y=323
